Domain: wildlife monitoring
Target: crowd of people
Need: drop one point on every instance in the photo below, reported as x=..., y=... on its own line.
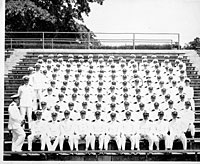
x=113, y=99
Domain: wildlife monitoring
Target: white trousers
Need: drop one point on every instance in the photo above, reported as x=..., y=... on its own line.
x=28, y=110
x=149, y=137
x=191, y=128
x=70, y=141
x=165, y=137
x=100, y=139
x=108, y=138
x=38, y=93
x=180, y=136
x=52, y=147
x=87, y=139
x=132, y=139
x=31, y=139
x=18, y=136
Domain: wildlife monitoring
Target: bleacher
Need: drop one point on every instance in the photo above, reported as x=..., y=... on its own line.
x=14, y=79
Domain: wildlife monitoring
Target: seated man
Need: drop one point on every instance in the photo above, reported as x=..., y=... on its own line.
x=67, y=131
x=145, y=131
x=161, y=130
x=38, y=131
x=129, y=130
x=113, y=132
x=82, y=130
x=176, y=131
x=53, y=132
x=98, y=131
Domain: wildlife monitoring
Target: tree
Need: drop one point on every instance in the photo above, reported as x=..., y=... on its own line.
x=193, y=44
x=47, y=15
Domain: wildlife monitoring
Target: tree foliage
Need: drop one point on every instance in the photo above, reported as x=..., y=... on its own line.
x=193, y=44
x=47, y=15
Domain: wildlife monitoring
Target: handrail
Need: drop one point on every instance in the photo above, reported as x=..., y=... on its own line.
x=90, y=38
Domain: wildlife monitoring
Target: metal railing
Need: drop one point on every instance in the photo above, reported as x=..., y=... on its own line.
x=87, y=40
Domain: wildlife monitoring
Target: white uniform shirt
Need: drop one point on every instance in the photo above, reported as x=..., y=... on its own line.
x=53, y=128
x=82, y=127
x=38, y=127
x=113, y=127
x=15, y=117
x=26, y=94
x=176, y=127
x=129, y=127
x=67, y=127
x=161, y=126
x=145, y=127
x=38, y=80
x=98, y=126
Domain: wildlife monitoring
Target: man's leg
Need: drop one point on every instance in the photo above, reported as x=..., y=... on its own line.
x=20, y=138
x=88, y=141
x=14, y=138
x=183, y=139
x=70, y=141
x=76, y=138
x=43, y=141
x=101, y=141
x=61, y=142
x=55, y=143
x=93, y=138
x=30, y=140
x=106, y=141
x=123, y=142
x=118, y=140
x=151, y=141
x=29, y=115
x=48, y=141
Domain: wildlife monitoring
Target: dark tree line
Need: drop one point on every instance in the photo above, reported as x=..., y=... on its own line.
x=48, y=15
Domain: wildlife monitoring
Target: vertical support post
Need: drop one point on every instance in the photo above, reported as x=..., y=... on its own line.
x=88, y=40
x=178, y=41
x=11, y=43
x=52, y=43
x=133, y=40
x=42, y=40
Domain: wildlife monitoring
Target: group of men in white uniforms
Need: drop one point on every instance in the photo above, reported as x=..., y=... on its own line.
x=129, y=96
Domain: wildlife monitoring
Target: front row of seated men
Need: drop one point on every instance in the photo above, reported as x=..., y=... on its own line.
x=55, y=132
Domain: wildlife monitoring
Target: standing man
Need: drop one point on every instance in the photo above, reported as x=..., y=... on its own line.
x=15, y=124
x=26, y=95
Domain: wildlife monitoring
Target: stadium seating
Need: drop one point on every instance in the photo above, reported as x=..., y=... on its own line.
x=14, y=79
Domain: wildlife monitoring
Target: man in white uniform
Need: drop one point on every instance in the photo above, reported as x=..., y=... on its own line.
x=15, y=125
x=67, y=131
x=38, y=131
x=113, y=132
x=26, y=95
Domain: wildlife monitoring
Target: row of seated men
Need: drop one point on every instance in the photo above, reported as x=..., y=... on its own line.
x=55, y=132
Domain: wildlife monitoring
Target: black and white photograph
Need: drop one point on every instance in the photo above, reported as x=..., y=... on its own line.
x=100, y=81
